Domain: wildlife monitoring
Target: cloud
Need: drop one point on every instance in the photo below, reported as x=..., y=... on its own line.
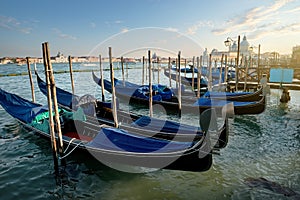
x=253, y=18
x=63, y=35
x=195, y=27
x=93, y=25
x=26, y=30
x=287, y=29
x=124, y=30
x=172, y=29
x=110, y=23
x=13, y=24
x=295, y=10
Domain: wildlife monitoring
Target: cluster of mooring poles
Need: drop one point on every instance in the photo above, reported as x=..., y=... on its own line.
x=147, y=67
x=54, y=122
x=52, y=100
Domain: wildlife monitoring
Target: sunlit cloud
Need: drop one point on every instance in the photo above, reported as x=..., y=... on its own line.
x=13, y=24
x=288, y=29
x=295, y=10
x=63, y=35
x=253, y=18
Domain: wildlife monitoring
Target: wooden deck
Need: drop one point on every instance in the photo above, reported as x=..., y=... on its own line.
x=295, y=85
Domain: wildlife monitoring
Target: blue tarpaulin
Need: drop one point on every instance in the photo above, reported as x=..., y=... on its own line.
x=20, y=108
x=117, y=139
x=164, y=125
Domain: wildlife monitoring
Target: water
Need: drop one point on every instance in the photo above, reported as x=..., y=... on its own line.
x=265, y=145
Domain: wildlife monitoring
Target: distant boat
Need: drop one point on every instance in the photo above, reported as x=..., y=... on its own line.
x=188, y=80
x=89, y=64
x=20, y=64
x=130, y=61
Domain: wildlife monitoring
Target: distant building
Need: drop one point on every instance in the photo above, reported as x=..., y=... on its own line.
x=59, y=58
x=295, y=62
x=245, y=47
x=245, y=51
x=7, y=60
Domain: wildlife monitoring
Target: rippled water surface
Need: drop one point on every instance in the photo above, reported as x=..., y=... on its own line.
x=265, y=145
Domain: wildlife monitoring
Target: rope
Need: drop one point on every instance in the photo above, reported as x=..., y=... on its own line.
x=71, y=150
x=69, y=144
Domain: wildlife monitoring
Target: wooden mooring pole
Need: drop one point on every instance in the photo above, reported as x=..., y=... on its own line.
x=169, y=66
x=179, y=83
x=113, y=89
x=143, y=71
x=150, y=85
x=158, y=69
x=71, y=74
x=30, y=78
x=193, y=74
x=185, y=68
x=237, y=65
x=198, y=76
x=209, y=74
x=258, y=66
x=146, y=71
x=123, y=73
x=102, y=79
x=127, y=70
x=176, y=72
x=246, y=74
x=221, y=71
x=226, y=70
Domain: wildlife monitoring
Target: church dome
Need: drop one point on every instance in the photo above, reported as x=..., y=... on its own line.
x=245, y=43
x=234, y=46
x=244, y=46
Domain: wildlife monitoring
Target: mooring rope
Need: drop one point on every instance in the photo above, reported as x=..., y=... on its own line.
x=71, y=150
x=69, y=144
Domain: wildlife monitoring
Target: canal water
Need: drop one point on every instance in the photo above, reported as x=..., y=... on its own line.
x=265, y=145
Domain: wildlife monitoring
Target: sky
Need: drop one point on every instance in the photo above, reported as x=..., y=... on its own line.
x=132, y=27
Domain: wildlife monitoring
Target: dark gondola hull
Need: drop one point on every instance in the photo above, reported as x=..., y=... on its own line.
x=237, y=96
x=189, y=161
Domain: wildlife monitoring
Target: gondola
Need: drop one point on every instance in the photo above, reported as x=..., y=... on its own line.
x=125, y=92
x=235, y=96
x=109, y=144
x=188, y=80
x=190, y=105
x=240, y=107
x=163, y=129
x=229, y=96
x=205, y=72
